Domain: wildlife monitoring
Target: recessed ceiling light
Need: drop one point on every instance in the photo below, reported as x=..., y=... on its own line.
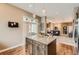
x=43, y=11
x=57, y=13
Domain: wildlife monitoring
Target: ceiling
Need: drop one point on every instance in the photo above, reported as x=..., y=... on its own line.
x=51, y=10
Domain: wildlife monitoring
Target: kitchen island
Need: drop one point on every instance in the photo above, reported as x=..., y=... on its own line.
x=47, y=45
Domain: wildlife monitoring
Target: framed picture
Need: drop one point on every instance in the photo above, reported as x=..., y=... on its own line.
x=65, y=30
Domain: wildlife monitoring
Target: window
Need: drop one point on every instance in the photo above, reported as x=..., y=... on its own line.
x=33, y=27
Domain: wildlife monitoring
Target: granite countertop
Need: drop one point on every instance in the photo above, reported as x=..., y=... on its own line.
x=42, y=39
x=48, y=39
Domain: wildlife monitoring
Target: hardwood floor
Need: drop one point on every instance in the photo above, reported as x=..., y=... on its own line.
x=2, y=46
x=63, y=49
x=15, y=51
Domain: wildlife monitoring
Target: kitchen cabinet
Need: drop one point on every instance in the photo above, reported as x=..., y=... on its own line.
x=28, y=46
x=37, y=48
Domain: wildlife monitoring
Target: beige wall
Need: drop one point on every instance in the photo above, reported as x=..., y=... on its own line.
x=11, y=36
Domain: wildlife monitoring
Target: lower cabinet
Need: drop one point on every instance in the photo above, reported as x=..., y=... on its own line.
x=39, y=48
x=36, y=48
x=28, y=46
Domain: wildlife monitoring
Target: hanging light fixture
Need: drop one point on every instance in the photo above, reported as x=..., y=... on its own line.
x=34, y=15
x=44, y=12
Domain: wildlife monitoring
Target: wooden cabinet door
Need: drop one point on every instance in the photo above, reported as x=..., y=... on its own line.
x=42, y=49
x=28, y=46
x=34, y=50
x=39, y=48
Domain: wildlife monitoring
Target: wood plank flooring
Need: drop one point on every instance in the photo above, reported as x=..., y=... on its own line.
x=2, y=46
x=15, y=51
x=63, y=49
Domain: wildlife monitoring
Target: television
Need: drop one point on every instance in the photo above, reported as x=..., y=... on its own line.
x=13, y=24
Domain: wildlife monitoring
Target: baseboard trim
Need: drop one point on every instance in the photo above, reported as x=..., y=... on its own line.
x=12, y=47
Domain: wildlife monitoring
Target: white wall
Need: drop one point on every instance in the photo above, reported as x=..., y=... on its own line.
x=11, y=36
